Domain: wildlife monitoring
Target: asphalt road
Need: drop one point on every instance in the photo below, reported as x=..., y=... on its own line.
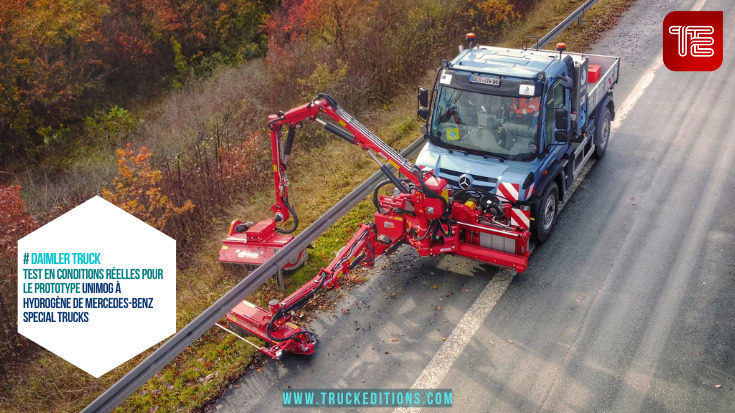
x=629, y=305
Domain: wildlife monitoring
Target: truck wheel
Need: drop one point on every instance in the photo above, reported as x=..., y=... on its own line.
x=602, y=134
x=546, y=215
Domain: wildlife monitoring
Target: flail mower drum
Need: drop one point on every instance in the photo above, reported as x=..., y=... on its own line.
x=252, y=244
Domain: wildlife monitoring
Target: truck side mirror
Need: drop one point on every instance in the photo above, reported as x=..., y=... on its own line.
x=423, y=113
x=423, y=97
x=561, y=118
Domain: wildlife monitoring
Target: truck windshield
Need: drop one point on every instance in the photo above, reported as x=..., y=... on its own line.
x=500, y=126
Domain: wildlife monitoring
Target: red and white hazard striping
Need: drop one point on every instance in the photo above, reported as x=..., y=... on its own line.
x=509, y=191
x=520, y=217
x=529, y=191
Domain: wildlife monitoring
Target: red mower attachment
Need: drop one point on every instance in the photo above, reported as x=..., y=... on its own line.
x=287, y=337
x=253, y=244
x=273, y=325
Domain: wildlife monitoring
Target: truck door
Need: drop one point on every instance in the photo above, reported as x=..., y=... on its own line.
x=555, y=99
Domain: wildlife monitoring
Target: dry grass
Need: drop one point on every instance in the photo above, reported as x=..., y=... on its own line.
x=233, y=93
x=324, y=169
x=600, y=17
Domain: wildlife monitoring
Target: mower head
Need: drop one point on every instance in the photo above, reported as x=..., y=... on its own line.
x=252, y=244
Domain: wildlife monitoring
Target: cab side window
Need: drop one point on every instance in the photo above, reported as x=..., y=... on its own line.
x=555, y=100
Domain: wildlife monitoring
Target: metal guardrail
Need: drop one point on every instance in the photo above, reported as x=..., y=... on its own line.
x=577, y=15
x=136, y=377
x=132, y=381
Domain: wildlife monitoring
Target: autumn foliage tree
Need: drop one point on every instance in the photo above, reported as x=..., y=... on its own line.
x=373, y=43
x=378, y=45
x=15, y=223
x=48, y=57
x=61, y=60
x=137, y=189
x=491, y=16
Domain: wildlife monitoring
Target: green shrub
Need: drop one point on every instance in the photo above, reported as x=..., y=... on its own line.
x=110, y=129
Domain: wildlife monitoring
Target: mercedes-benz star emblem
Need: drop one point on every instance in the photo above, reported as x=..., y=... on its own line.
x=465, y=181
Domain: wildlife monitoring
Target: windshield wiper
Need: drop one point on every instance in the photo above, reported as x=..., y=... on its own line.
x=487, y=155
x=466, y=151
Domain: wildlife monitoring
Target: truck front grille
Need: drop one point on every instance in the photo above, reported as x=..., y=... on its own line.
x=482, y=182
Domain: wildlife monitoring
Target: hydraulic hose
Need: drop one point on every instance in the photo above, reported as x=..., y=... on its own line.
x=403, y=188
x=293, y=307
x=375, y=196
x=426, y=234
x=295, y=219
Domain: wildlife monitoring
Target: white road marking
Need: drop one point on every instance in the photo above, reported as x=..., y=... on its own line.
x=444, y=359
x=698, y=5
x=439, y=365
x=636, y=93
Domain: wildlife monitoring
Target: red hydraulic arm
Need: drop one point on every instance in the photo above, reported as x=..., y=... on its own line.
x=355, y=133
x=423, y=212
x=274, y=327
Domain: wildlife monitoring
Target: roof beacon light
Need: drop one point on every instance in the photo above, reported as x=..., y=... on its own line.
x=561, y=47
x=470, y=39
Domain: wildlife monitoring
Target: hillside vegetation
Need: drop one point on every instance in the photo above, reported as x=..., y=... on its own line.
x=64, y=59
x=160, y=106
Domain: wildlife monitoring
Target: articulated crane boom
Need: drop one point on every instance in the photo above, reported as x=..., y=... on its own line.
x=423, y=212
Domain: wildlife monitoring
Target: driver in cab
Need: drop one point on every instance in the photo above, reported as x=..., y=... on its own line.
x=524, y=106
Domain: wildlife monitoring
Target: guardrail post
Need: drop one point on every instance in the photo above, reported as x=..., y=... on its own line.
x=279, y=277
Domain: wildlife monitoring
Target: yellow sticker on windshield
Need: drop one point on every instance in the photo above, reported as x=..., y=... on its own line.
x=453, y=134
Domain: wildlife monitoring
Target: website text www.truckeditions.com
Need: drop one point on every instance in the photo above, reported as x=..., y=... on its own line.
x=367, y=397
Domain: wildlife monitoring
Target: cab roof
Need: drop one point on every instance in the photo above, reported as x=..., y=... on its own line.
x=505, y=62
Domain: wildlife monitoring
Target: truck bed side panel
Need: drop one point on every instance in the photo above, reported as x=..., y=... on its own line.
x=610, y=70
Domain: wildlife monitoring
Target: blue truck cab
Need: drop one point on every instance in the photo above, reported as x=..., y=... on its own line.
x=518, y=123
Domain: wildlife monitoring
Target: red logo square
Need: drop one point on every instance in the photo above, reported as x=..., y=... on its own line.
x=693, y=40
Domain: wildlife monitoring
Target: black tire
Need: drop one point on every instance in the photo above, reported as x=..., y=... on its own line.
x=545, y=218
x=602, y=133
